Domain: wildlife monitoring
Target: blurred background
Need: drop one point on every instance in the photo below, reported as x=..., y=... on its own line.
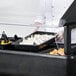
x=18, y=16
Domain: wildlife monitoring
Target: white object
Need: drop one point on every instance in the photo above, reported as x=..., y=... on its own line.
x=37, y=39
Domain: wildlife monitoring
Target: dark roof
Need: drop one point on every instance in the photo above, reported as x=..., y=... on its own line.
x=69, y=16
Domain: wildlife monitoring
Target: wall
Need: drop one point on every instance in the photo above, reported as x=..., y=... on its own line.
x=22, y=13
